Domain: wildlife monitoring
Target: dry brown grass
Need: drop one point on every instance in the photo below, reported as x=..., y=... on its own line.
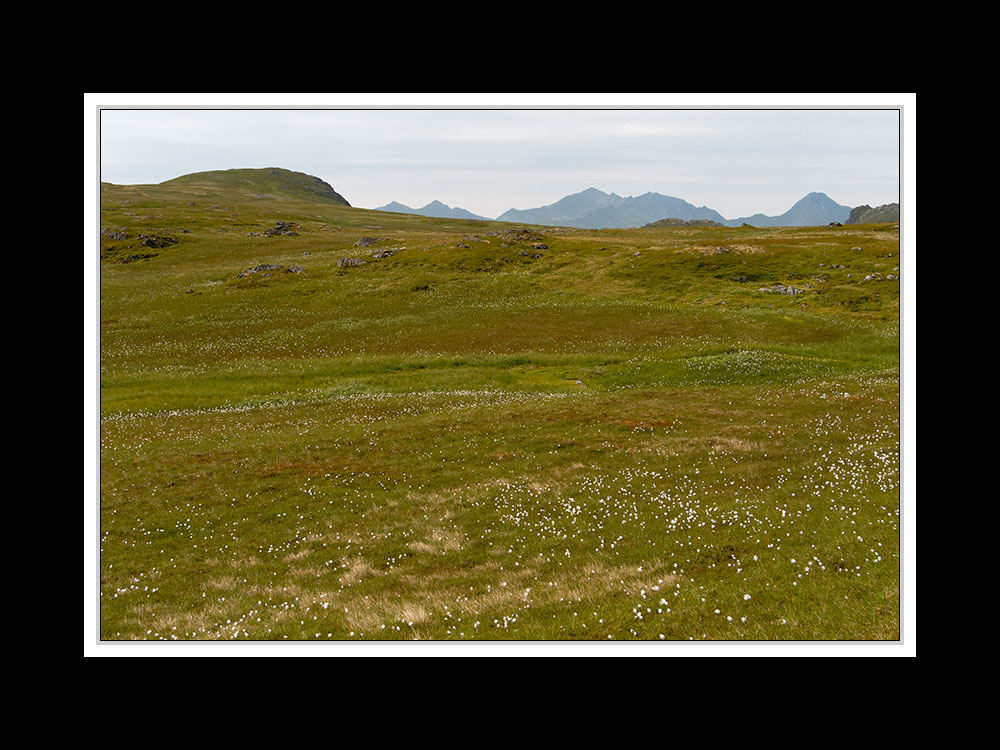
x=357, y=570
x=508, y=592
x=438, y=541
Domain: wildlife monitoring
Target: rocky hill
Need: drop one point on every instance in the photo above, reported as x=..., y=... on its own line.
x=264, y=183
x=682, y=223
x=868, y=215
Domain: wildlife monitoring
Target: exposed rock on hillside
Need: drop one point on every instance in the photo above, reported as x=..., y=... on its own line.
x=156, y=241
x=257, y=269
x=868, y=215
x=285, y=228
x=781, y=289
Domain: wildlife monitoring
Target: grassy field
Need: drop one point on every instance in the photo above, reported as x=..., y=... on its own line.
x=496, y=432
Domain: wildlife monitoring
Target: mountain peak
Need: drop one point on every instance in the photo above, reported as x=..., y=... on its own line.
x=813, y=209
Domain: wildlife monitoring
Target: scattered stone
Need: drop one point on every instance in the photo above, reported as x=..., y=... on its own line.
x=285, y=228
x=739, y=279
x=115, y=234
x=781, y=289
x=350, y=262
x=388, y=253
x=294, y=269
x=525, y=253
x=520, y=235
x=836, y=224
x=156, y=241
x=367, y=241
x=536, y=256
x=461, y=244
x=855, y=248
x=637, y=253
x=892, y=276
x=540, y=246
x=257, y=269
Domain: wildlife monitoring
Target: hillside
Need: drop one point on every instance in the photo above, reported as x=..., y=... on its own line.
x=868, y=215
x=325, y=423
x=263, y=183
x=663, y=223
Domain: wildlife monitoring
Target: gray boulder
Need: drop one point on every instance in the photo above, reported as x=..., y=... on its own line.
x=781, y=289
x=257, y=269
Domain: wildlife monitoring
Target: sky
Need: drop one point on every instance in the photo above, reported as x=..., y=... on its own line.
x=736, y=161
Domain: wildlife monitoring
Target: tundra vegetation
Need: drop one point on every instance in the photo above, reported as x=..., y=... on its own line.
x=479, y=430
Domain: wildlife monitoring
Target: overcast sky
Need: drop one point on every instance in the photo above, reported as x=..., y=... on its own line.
x=738, y=162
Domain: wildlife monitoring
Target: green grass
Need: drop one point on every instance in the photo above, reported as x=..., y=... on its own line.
x=468, y=443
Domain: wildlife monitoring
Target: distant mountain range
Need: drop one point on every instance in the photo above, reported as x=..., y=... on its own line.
x=594, y=209
x=434, y=208
x=589, y=209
